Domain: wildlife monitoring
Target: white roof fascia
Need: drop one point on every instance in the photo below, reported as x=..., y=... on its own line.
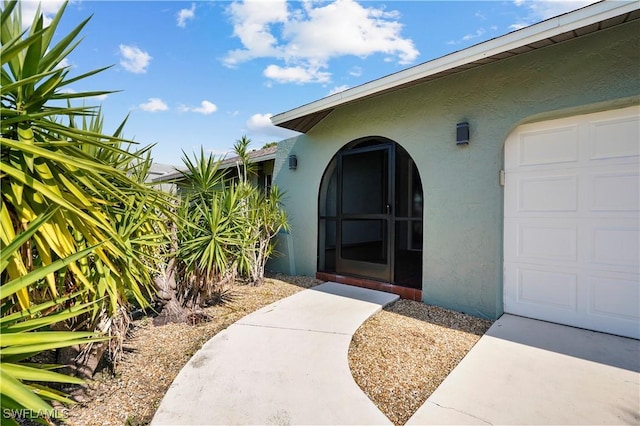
x=228, y=163
x=271, y=156
x=549, y=28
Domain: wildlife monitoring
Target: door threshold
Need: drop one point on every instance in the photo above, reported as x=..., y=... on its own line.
x=403, y=292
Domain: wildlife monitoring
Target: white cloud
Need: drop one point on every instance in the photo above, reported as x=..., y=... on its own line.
x=346, y=28
x=539, y=10
x=259, y=121
x=261, y=124
x=252, y=22
x=306, y=38
x=296, y=74
x=205, y=108
x=338, y=89
x=154, y=105
x=29, y=7
x=549, y=8
x=356, y=71
x=186, y=14
x=471, y=36
x=479, y=33
x=133, y=59
x=520, y=25
x=63, y=63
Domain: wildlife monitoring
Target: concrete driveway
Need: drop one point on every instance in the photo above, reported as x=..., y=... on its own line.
x=524, y=371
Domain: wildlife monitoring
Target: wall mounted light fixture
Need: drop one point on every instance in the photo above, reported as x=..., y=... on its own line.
x=293, y=162
x=462, y=133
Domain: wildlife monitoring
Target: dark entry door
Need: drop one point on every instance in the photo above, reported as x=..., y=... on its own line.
x=365, y=216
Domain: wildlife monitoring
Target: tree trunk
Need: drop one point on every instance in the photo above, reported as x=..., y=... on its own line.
x=166, y=287
x=81, y=361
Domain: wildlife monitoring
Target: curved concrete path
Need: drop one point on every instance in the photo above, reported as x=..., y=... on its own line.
x=283, y=364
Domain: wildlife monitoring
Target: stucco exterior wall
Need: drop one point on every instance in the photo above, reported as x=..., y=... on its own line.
x=463, y=200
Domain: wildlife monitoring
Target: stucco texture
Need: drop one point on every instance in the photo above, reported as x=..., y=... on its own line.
x=463, y=199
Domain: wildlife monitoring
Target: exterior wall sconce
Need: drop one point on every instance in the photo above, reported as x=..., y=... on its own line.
x=462, y=133
x=293, y=162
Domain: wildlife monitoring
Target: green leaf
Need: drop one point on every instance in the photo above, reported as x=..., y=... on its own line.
x=12, y=388
x=8, y=10
x=23, y=237
x=44, y=337
x=23, y=372
x=14, y=286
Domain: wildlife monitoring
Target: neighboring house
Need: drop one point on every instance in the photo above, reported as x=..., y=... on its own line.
x=156, y=173
x=157, y=169
x=262, y=177
x=530, y=208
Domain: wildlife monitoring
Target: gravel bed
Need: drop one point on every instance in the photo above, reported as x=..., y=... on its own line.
x=398, y=357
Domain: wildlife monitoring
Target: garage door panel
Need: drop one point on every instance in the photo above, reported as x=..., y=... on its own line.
x=548, y=146
x=614, y=297
x=572, y=221
x=595, y=245
x=615, y=246
x=555, y=289
x=608, y=304
x=547, y=293
x=614, y=138
x=547, y=242
x=614, y=192
x=537, y=240
x=547, y=194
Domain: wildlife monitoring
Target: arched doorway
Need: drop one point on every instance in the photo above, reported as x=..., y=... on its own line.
x=370, y=214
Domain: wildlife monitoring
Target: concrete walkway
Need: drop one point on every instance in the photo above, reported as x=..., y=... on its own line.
x=283, y=364
x=524, y=371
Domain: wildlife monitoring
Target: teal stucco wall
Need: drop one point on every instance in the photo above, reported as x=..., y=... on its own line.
x=463, y=199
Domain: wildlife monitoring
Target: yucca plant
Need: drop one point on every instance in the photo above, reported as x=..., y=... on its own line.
x=244, y=166
x=48, y=160
x=27, y=332
x=207, y=231
x=226, y=227
x=262, y=216
x=224, y=231
x=265, y=217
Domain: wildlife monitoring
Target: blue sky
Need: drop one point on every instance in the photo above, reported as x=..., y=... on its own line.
x=205, y=73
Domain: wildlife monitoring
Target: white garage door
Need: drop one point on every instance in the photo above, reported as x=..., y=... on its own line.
x=571, y=221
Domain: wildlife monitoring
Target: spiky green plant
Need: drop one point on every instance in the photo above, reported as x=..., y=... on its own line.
x=262, y=216
x=207, y=230
x=265, y=217
x=26, y=332
x=225, y=229
x=245, y=167
x=93, y=179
